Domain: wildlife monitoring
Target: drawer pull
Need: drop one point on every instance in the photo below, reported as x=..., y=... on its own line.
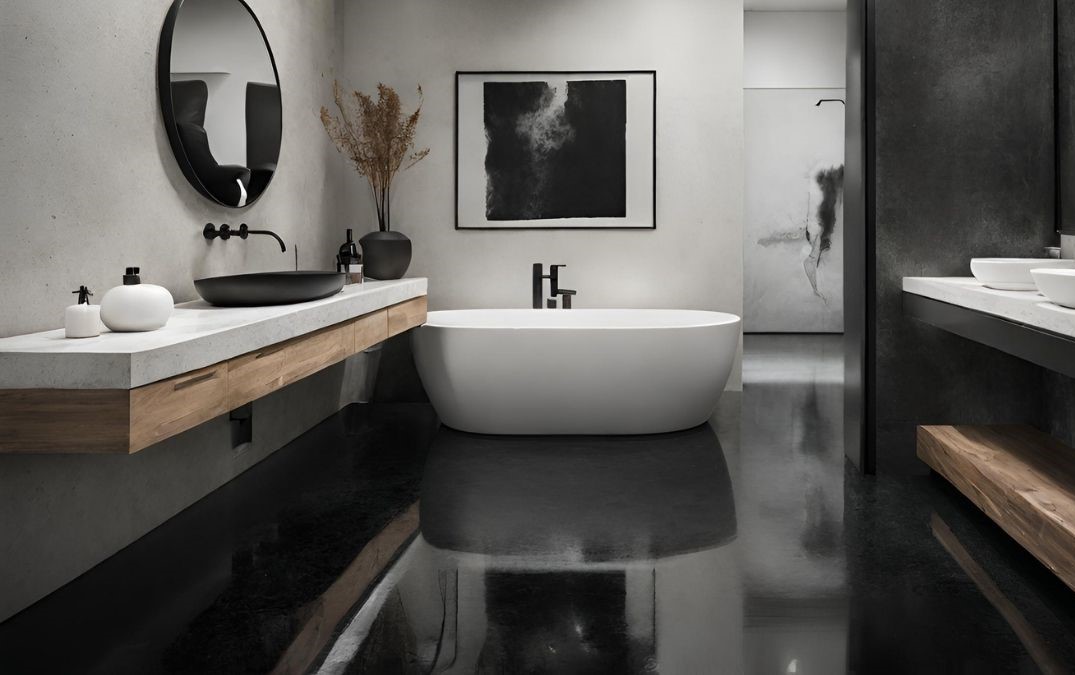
x=194, y=380
x=270, y=351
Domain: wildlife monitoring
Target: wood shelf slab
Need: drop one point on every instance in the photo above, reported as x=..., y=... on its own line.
x=1022, y=479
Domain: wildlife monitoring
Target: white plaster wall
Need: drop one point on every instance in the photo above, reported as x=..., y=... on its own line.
x=694, y=257
x=88, y=185
x=794, y=50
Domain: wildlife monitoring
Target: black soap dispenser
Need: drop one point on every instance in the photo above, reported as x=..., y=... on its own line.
x=349, y=250
x=348, y=260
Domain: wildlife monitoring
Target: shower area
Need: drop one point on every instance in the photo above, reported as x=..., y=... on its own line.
x=793, y=108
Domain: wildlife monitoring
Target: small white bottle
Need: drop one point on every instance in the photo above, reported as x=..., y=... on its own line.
x=134, y=306
x=82, y=320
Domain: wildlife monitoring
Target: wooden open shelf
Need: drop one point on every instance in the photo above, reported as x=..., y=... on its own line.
x=129, y=420
x=1022, y=479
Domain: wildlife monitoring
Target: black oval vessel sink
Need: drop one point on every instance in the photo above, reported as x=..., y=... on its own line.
x=269, y=288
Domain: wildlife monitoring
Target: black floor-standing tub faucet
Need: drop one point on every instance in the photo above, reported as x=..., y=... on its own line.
x=553, y=276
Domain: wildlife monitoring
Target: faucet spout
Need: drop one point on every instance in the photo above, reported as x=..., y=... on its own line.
x=245, y=231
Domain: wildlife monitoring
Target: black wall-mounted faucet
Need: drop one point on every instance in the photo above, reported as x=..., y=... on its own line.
x=225, y=233
x=553, y=276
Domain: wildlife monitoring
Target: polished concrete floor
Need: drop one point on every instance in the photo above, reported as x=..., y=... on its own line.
x=742, y=546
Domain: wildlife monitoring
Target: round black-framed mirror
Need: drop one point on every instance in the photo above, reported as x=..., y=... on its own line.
x=219, y=92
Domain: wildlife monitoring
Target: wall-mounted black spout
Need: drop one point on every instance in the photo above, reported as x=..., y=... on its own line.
x=225, y=233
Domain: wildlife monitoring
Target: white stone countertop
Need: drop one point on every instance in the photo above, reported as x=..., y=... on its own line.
x=1026, y=307
x=196, y=336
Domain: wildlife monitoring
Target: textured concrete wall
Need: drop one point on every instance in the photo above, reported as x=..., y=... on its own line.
x=964, y=168
x=692, y=260
x=88, y=185
x=88, y=182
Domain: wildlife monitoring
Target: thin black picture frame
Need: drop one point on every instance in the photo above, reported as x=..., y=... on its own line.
x=455, y=148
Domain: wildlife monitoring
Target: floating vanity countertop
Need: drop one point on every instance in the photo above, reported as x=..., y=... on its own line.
x=198, y=335
x=1029, y=308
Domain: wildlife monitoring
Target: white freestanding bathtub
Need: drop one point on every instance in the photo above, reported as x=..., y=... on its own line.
x=577, y=371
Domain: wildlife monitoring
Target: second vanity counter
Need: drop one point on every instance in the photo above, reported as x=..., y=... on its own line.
x=1028, y=308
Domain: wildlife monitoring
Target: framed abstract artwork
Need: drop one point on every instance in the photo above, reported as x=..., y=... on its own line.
x=555, y=150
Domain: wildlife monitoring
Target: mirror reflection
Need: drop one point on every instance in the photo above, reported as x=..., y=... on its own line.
x=220, y=96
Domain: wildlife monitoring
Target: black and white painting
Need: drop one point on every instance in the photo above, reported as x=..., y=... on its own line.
x=555, y=150
x=793, y=231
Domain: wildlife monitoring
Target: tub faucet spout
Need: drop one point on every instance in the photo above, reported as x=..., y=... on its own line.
x=555, y=291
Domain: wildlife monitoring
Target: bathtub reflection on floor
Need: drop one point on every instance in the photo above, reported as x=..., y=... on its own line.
x=543, y=554
x=582, y=500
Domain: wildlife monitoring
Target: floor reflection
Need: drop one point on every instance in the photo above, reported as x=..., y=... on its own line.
x=791, y=487
x=563, y=555
x=577, y=500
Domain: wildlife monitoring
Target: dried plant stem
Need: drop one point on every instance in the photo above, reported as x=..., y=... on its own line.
x=377, y=138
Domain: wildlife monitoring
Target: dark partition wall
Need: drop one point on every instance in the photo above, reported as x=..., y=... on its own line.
x=858, y=252
x=1060, y=390
x=1065, y=113
x=960, y=100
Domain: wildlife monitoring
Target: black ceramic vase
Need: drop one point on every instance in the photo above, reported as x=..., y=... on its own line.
x=385, y=255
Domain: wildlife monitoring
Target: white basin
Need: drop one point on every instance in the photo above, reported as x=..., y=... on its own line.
x=1013, y=274
x=1057, y=285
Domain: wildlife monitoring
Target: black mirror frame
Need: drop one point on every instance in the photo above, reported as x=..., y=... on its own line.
x=164, y=95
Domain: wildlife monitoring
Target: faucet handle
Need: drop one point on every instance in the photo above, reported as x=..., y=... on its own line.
x=568, y=294
x=554, y=279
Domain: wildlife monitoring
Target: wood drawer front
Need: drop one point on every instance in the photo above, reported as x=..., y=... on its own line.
x=166, y=408
x=371, y=329
x=259, y=373
x=64, y=420
x=407, y=315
